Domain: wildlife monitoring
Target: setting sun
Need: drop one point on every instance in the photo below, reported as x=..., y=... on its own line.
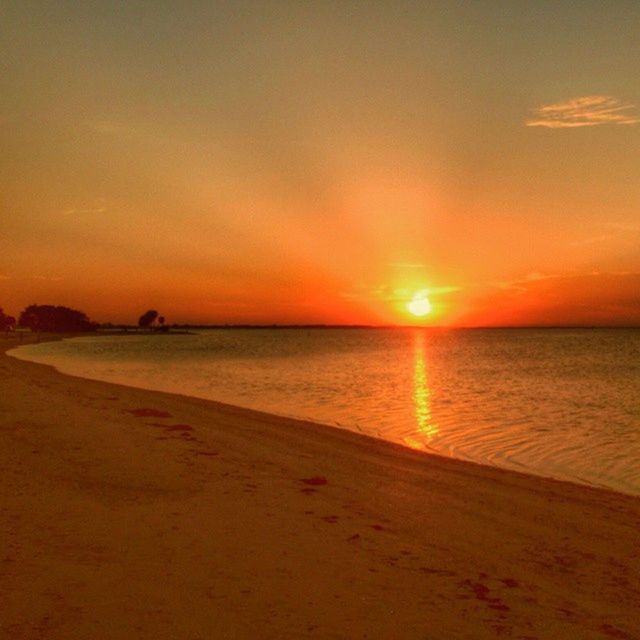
x=419, y=305
x=278, y=272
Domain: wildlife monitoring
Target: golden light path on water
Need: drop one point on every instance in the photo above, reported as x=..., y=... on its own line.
x=570, y=413
x=425, y=426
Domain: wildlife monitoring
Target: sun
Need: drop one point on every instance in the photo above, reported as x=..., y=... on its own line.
x=419, y=304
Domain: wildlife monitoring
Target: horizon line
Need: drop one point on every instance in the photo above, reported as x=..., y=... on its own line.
x=181, y=325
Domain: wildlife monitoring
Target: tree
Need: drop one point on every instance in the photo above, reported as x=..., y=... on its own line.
x=46, y=317
x=6, y=322
x=147, y=318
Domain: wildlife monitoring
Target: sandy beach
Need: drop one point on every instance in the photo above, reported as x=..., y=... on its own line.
x=127, y=513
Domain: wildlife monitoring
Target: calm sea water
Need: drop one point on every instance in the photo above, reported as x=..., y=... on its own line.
x=553, y=402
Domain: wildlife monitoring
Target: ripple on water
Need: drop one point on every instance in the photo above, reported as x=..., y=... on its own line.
x=562, y=403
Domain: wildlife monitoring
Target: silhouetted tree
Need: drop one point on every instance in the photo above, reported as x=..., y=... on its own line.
x=6, y=322
x=46, y=317
x=147, y=318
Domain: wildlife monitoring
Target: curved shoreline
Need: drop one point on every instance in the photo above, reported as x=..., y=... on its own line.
x=514, y=467
x=128, y=509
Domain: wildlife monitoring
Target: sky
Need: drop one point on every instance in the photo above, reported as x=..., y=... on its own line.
x=322, y=162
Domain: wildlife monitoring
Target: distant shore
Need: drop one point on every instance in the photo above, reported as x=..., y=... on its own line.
x=197, y=327
x=131, y=513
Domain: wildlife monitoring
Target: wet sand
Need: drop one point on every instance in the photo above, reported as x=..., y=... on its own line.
x=127, y=513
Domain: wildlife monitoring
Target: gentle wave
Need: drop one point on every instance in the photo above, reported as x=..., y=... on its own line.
x=559, y=403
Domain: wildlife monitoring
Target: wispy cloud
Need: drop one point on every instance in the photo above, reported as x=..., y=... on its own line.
x=590, y=298
x=72, y=212
x=585, y=111
x=385, y=293
x=521, y=284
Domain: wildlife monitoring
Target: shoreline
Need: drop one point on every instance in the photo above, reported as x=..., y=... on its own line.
x=138, y=513
x=268, y=414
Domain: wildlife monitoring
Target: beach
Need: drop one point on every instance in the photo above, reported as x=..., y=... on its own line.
x=128, y=513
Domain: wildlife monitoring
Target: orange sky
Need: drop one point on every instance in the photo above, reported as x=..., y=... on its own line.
x=289, y=162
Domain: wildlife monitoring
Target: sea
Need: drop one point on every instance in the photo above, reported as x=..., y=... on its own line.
x=561, y=403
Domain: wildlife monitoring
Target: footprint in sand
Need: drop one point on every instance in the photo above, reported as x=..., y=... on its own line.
x=315, y=480
x=614, y=632
x=177, y=427
x=181, y=431
x=481, y=592
x=182, y=428
x=149, y=413
x=445, y=573
x=510, y=583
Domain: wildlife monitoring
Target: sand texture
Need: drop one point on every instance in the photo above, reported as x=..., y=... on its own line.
x=136, y=514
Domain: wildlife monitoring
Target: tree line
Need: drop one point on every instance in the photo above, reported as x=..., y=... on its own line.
x=59, y=319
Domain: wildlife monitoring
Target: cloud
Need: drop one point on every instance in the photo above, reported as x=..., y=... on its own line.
x=580, y=299
x=521, y=284
x=71, y=212
x=585, y=111
x=385, y=293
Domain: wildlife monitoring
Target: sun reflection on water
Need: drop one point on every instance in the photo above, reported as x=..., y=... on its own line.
x=425, y=426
